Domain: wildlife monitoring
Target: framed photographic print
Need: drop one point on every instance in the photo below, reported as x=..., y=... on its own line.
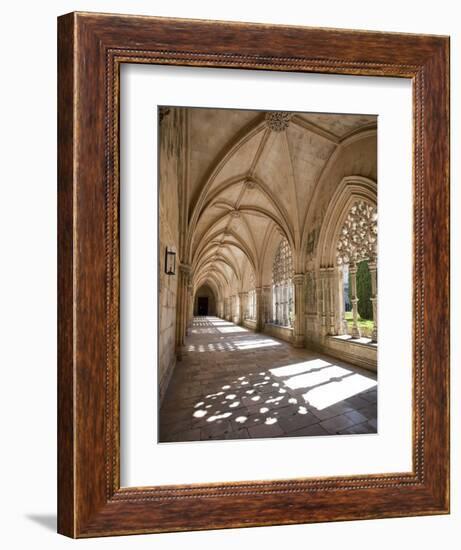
x=253, y=275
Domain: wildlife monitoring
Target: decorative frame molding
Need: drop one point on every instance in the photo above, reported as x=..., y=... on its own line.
x=91, y=48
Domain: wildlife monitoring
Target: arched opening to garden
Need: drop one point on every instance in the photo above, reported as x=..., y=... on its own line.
x=282, y=285
x=356, y=255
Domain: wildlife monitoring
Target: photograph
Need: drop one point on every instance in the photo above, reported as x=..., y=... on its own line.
x=267, y=274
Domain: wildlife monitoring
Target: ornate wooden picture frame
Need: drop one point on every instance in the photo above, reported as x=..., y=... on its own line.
x=92, y=48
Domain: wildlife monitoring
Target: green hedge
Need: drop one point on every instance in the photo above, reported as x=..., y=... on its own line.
x=364, y=306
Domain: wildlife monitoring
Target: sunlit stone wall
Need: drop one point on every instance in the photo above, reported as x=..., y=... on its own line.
x=170, y=172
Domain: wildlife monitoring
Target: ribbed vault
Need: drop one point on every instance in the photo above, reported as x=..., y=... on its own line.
x=252, y=181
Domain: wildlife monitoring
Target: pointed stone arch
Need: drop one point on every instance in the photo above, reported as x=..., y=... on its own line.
x=328, y=275
x=351, y=189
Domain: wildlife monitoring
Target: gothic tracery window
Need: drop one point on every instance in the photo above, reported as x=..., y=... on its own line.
x=282, y=285
x=358, y=238
x=356, y=255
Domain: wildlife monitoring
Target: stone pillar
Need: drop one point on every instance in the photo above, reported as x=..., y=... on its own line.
x=354, y=300
x=231, y=309
x=190, y=306
x=298, y=324
x=374, y=299
x=322, y=302
x=267, y=296
x=184, y=272
x=276, y=303
x=259, y=309
x=332, y=287
x=241, y=307
x=284, y=305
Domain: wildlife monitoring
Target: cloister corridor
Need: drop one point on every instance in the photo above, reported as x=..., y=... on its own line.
x=233, y=383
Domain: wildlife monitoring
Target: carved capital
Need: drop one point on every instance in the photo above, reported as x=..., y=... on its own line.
x=298, y=278
x=185, y=269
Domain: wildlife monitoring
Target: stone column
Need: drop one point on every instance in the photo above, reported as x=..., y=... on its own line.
x=184, y=272
x=322, y=302
x=259, y=309
x=190, y=306
x=374, y=299
x=241, y=307
x=332, y=288
x=298, y=324
x=276, y=302
x=244, y=304
x=267, y=293
x=284, y=305
x=354, y=300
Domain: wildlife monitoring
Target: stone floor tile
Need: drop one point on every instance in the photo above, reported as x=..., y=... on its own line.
x=215, y=430
x=369, y=412
x=242, y=433
x=188, y=435
x=370, y=396
x=313, y=430
x=363, y=428
x=330, y=412
x=263, y=430
x=373, y=423
x=357, y=402
x=336, y=424
x=356, y=417
x=166, y=430
x=295, y=422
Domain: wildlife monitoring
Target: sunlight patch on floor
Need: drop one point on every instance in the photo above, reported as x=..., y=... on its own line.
x=334, y=392
x=298, y=368
x=310, y=379
x=231, y=329
x=254, y=344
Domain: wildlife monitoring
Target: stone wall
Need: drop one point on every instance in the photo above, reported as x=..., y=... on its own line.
x=284, y=333
x=362, y=355
x=249, y=323
x=169, y=182
x=167, y=313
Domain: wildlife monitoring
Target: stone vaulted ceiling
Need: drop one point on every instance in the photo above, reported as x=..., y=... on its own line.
x=253, y=177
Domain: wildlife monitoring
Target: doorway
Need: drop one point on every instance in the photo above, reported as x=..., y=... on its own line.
x=202, y=305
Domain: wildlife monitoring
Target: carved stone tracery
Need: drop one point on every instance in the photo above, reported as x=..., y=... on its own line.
x=358, y=238
x=358, y=241
x=282, y=284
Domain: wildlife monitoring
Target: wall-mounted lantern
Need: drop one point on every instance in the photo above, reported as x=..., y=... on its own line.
x=170, y=262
